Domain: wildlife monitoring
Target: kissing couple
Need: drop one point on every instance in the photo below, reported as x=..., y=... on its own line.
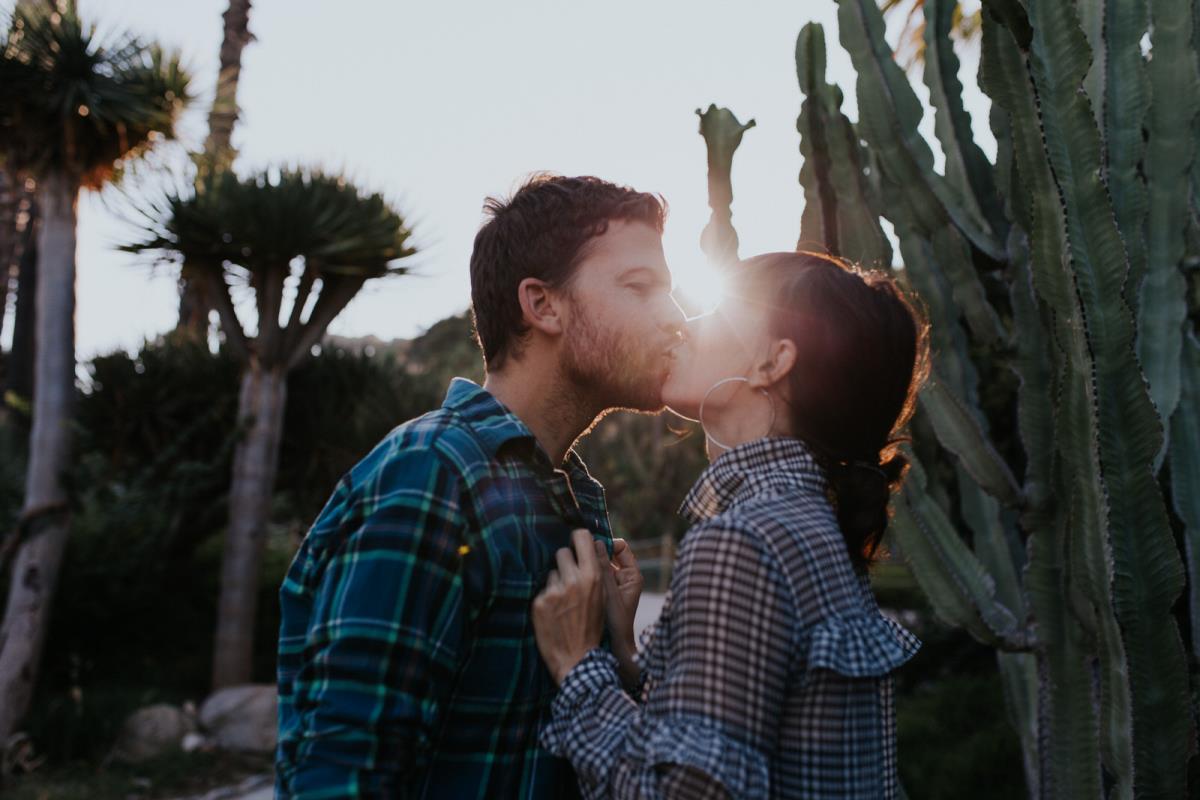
x=459, y=621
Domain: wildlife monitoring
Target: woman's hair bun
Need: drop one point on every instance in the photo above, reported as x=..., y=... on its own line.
x=861, y=492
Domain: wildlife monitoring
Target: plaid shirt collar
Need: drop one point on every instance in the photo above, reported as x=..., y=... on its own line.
x=497, y=426
x=763, y=466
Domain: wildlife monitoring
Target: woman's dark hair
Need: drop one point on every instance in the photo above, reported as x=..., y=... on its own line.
x=862, y=354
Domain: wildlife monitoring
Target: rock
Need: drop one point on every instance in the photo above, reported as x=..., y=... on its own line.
x=241, y=718
x=195, y=741
x=17, y=755
x=151, y=732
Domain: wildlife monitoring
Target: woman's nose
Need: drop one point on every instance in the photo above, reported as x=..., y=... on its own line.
x=674, y=319
x=690, y=327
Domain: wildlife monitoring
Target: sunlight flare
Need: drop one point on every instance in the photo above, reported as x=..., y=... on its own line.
x=700, y=287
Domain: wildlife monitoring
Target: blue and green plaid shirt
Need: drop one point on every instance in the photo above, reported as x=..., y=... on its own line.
x=407, y=660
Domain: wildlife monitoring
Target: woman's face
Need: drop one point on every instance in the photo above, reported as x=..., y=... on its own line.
x=722, y=344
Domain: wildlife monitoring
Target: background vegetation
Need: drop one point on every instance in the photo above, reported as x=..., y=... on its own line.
x=1048, y=530
x=132, y=620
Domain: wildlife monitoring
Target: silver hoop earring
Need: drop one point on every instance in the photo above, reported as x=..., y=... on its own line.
x=713, y=388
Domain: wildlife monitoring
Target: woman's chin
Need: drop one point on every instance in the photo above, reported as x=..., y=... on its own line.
x=676, y=394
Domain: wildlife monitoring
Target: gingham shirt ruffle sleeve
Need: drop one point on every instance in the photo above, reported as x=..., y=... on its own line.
x=860, y=646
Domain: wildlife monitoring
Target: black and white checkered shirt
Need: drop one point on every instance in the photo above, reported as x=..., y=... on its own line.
x=768, y=674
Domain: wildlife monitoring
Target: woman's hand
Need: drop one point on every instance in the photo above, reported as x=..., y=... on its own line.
x=568, y=615
x=623, y=584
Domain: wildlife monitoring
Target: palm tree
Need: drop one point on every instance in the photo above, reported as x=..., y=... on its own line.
x=17, y=225
x=910, y=48
x=218, y=148
x=304, y=243
x=18, y=364
x=71, y=109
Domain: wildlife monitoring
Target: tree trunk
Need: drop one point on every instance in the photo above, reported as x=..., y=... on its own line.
x=218, y=149
x=9, y=200
x=44, y=518
x=193, y=309
x=255, y=461
x=218, y=146
x=19, y=372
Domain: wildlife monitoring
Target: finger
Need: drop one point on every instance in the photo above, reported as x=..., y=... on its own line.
x=624, y=557
x=606, y=568
x=585, y=552
x=625, y=577
x=553, y=580
x=567, y=567
x=619, y=545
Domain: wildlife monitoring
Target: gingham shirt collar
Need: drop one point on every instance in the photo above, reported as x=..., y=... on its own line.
x=759, y=467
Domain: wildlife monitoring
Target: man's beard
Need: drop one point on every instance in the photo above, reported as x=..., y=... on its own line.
x=612, y=367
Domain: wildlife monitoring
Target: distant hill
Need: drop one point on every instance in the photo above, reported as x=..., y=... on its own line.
x=446, y=350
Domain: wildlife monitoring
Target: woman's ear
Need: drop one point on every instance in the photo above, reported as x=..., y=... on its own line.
x=775, y=365
x=539, y=306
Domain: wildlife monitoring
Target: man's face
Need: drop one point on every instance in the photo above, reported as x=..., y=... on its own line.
x=623, y=322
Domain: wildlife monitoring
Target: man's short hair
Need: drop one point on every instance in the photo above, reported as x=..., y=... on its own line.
x=541, y=232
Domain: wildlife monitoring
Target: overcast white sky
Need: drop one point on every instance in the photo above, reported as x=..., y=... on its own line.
x=439, y=104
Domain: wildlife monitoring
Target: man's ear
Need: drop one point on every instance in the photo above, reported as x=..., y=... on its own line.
x=775, y=365
x=540, y=306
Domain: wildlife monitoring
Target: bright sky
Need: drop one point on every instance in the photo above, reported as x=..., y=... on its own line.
x=439, y=104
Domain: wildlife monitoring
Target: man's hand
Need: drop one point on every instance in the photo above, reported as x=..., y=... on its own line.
x=568, y=615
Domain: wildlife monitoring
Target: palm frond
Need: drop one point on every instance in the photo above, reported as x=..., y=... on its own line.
x=70, y=102
x=268, y=230
x=273, y=218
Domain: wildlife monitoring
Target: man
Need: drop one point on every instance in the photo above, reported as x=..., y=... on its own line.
x=407, y=660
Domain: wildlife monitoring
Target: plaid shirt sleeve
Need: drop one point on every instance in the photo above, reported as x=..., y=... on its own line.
x=386, y=632
x=708, y=725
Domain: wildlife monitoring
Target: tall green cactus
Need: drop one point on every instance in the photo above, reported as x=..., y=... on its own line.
x=1067, y=263
x=841, y=206
x=1175, y=94
x=723, y=134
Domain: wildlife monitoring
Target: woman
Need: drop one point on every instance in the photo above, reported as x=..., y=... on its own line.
x=767, y=674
